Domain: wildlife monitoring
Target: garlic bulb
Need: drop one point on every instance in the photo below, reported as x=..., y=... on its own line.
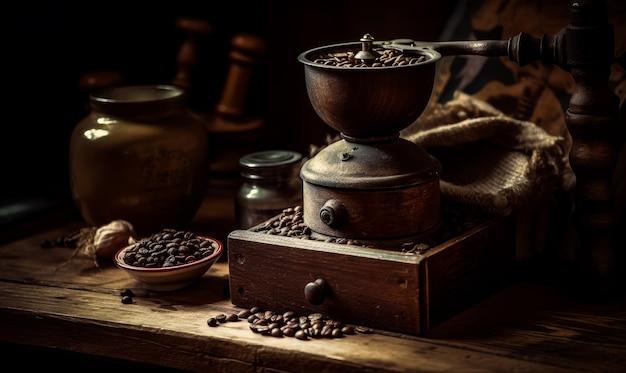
x=112, y=237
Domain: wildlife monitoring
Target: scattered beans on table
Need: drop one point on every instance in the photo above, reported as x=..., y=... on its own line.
x=289, y=324
x=127, y=296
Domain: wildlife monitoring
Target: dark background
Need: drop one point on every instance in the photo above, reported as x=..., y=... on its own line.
x=49, y=45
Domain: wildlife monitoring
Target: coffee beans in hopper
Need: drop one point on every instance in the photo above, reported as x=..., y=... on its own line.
x=386, y=58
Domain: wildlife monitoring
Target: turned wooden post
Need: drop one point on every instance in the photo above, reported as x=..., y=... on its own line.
x=244, y=56
x=188, y=53
x=232, y=131
x=585, y=48
x=592, y=119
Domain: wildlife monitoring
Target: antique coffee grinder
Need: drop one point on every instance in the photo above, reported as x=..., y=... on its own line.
x=371, y=186
x=374, y=187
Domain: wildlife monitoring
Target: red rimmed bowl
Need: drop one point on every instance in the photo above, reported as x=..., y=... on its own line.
x=167, y=273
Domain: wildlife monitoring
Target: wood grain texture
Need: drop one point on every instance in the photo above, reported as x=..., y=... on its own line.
x=175, y=335
x=527, y=327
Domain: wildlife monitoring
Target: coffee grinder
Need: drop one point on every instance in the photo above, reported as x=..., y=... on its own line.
x=372, y=185
x=374, y=188
x=365, y=198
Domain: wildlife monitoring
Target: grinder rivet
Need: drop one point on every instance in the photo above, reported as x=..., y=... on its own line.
x=367, y=55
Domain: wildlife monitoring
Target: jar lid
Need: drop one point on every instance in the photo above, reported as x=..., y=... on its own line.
x=268, y=163
x=270, y=158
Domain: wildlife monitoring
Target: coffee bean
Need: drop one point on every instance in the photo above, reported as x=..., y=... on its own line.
x=336, y=333
x=276, y=332
x=327, y=330
x=289, y=332
x=315, y=316
x=261, y=322
x=254, y=328
x=212, y=321
x=347, y=330
x=232, y=317
x=243, y=314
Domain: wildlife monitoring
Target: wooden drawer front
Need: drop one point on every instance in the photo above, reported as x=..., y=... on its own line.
x=369, y=287
x=389, y=290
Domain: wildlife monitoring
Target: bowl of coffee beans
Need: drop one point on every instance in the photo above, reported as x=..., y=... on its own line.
x=170, y=259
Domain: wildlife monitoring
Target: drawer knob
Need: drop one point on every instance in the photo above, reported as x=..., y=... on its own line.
x=315, y=292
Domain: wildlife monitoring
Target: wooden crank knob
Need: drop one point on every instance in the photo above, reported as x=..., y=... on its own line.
x=333, y=213
x=245, y=54
x=315, y=292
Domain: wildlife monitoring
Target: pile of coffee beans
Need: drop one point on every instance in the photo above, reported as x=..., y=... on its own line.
x=457, y=219
x=289, y=324
x=169, y=248
x=290, y=223
x=386, y=57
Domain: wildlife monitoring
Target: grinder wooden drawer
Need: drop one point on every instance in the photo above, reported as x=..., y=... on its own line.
x=388, y=290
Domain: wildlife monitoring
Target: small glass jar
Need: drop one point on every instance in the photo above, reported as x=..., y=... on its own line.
x=140, y=155
x=271, y=183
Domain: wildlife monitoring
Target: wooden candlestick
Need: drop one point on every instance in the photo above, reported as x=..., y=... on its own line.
x=593, y=121
x=232, y=132
x=245, y=53
x=188, y=52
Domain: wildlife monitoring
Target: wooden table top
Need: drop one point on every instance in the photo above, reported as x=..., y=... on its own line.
x=530, y=326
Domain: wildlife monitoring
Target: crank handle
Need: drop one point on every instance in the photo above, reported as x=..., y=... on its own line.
x=522, y=48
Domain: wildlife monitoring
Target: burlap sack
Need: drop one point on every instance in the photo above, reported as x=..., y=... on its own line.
x=489, y=160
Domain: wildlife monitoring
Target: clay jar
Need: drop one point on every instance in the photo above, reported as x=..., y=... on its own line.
x=139, y=155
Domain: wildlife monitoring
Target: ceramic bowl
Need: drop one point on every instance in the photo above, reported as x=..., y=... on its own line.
x=169, y=278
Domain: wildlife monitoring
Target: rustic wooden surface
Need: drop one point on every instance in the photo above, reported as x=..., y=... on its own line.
x=530, y=326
